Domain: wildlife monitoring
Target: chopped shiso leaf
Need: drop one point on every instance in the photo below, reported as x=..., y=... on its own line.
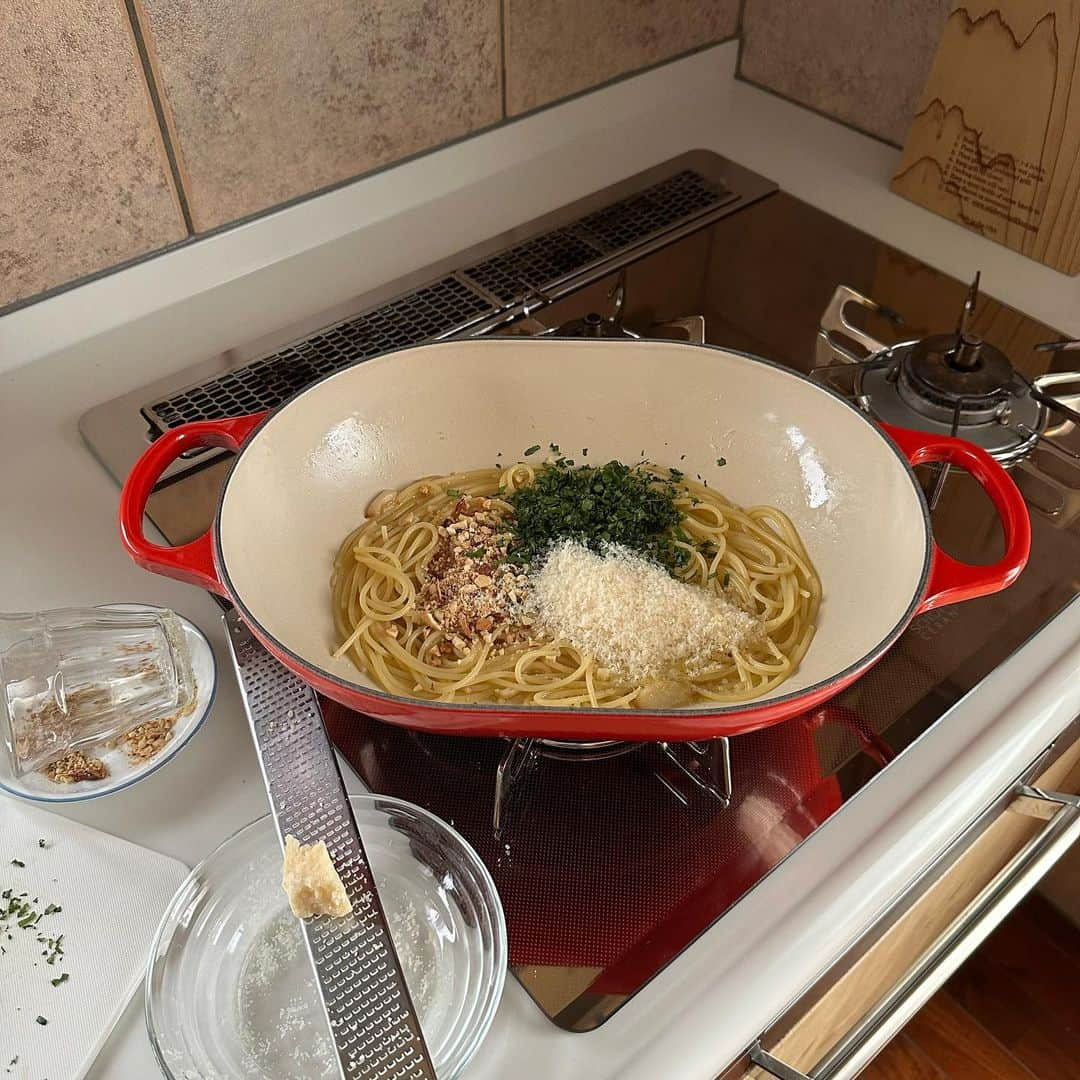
x=597, y=505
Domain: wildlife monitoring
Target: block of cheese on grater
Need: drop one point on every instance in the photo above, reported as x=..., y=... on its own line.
x=311, y=882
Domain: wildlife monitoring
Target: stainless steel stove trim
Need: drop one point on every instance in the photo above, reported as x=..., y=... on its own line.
x=859, y=665
x=116, y=432
x=873, y=1031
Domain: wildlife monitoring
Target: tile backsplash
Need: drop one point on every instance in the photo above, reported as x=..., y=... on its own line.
x=555, y=48
x=861, y=61
x=129, y=125
x=83, y=181
x=269, y=101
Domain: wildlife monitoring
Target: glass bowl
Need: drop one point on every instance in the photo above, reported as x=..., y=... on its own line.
x=230, y=992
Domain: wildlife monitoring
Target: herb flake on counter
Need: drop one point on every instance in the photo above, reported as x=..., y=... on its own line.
x=532, y=450
x=40, y=1020
x=60, y=979
x=17, y=862
x=721, y=462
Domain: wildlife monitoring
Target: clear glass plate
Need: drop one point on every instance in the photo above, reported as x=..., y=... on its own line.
x=230, y=992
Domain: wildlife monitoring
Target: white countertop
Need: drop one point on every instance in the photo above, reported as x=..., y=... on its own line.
x=58, y=544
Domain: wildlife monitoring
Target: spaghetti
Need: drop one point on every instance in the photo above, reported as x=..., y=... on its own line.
x=386, y=624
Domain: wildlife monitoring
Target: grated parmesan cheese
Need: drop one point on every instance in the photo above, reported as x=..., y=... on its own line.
x=630, y=615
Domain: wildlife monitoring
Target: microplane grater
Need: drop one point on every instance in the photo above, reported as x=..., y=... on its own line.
x=363, y=990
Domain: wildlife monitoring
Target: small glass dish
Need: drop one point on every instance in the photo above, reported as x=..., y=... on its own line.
x=77, y=677
x=230, y=992
x=123, y=769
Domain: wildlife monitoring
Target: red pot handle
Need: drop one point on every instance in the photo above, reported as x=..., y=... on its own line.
x=193, y=562
x=952, y=581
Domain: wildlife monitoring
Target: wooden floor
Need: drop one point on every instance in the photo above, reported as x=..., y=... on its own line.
x=1012, y=1012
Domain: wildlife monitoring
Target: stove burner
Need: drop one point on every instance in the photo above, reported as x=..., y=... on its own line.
x=939, y=375
x=684, y=769
x=594, y=325
x=947, y=384
x=569, y=750
x=690, y=328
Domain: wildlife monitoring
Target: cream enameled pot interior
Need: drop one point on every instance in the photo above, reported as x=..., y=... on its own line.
x=303, y=481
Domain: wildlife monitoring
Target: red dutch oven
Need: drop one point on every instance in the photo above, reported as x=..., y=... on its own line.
x=305, y=472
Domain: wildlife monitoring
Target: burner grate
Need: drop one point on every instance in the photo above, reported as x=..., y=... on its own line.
x=659, y=207
x=432, y=311
x=534, y=264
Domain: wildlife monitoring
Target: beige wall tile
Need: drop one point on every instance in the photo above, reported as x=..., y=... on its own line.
x=557, y=47
x=272, y=99
x=865, y=63
x=83, y=181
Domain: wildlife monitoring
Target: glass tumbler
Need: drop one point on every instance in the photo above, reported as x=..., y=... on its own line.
x=75, y=677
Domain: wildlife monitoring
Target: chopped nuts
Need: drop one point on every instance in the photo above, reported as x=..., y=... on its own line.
x=467, y=585
x=144, y=741
x=74, y=767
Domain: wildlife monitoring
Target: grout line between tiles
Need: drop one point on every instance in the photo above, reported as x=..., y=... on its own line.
x=740, y=33
x=159, y=113
x=740, y=18
x=502, y=54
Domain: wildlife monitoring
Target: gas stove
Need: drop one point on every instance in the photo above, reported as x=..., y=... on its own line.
x=957, y=384
x=611, y=858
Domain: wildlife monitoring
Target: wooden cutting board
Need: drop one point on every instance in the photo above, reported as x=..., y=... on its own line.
x=995, y=142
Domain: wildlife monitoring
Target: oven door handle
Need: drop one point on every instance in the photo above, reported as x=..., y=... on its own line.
x=964, y=935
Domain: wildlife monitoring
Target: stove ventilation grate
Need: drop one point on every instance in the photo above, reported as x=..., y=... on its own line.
x=533, y=265
x=430, y=312
x=656, y=208
x=444, y=307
